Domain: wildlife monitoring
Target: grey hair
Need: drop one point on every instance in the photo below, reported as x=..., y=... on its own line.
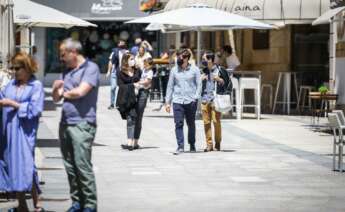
x=71, y=44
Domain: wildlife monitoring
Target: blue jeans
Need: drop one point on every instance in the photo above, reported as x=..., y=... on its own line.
x=113, y=87
x=181, y=112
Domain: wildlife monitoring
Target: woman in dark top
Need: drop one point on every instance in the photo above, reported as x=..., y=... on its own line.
x=126, y=103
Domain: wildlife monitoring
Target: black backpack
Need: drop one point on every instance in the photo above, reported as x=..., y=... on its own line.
x=227, y=87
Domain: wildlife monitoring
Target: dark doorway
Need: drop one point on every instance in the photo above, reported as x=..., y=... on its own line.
x=310, y=54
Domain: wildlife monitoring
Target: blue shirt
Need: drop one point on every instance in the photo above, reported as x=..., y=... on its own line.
x=208, y=93
x=135, y=50
x=184, y=85
x=75, y=111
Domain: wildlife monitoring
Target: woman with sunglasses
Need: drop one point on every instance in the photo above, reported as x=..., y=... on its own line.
x=21, y=102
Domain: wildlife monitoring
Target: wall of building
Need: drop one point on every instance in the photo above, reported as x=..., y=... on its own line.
x=269, y=61
x=340, y=73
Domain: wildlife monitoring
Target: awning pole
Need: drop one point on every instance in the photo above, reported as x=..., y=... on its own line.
x=199, y=47
x=232, y=40
x=332, y=55
x=177, y=40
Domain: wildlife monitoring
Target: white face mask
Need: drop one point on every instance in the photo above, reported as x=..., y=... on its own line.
x=131, y=62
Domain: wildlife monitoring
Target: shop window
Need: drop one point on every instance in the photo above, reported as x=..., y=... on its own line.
x=97, y=42
x=261, y=39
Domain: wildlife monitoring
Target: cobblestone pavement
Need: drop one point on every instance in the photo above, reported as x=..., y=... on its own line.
x=275, y=164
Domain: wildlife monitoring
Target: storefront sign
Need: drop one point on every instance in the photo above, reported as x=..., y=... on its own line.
x=247, y=8
x=114, y=10
x=106, y=6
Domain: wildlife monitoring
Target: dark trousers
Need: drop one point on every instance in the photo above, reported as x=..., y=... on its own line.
x=181, y=112
x=135, y=116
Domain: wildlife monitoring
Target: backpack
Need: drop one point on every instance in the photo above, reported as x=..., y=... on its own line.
x=227, y=87
x=115, y=58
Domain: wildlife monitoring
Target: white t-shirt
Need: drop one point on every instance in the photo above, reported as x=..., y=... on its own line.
x=139, y=60
x=146, y=74
x=232, y=61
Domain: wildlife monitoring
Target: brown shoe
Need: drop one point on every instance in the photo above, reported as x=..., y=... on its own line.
x=208, y=148
x=217, y=146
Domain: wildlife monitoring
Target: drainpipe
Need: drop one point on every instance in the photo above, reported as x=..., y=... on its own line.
x=332, y=55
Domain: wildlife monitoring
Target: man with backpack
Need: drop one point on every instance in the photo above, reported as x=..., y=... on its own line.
x=114, y=65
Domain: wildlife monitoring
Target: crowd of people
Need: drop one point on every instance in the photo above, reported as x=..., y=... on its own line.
x=130, y=72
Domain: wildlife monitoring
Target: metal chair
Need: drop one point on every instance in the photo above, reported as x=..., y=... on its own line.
x=236, y=91
x=338, y=140
x=304, y=91
x=341, y=116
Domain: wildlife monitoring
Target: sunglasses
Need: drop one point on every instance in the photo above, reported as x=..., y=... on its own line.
x=16, y=68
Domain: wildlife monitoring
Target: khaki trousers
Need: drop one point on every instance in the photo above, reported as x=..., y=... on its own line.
x=210, y=115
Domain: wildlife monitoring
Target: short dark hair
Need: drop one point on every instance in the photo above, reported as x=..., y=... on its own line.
x=121, y=40
x=227, y=49
x=209, y=55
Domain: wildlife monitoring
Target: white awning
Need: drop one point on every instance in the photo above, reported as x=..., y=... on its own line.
x=277, y=12
x=31, y=14
x=326, y=17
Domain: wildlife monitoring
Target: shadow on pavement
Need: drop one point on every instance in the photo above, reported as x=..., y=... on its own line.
x=148, y=147
x=54, y=143
x=160, y=116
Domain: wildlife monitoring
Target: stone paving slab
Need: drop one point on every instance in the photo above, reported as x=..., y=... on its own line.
x=274, y=164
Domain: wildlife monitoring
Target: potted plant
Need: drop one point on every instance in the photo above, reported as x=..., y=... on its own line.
x=323, y=90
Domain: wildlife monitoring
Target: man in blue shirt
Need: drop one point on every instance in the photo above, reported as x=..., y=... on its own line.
x=135, y=49
x=184, y=89
x=78, y=87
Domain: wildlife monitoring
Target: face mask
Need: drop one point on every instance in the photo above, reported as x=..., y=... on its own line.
x=179, y=61
x=131, y=63
x=122, y=46
x=204, y=63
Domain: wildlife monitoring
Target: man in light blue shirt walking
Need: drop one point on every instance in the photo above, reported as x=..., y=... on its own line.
x=183, y=91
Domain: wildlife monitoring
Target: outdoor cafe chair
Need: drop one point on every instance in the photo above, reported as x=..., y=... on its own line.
x=338, y=139
x=341, y=116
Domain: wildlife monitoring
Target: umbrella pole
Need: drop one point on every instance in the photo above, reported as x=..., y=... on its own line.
x=199, y=47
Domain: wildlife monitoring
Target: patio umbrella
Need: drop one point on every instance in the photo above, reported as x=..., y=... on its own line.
x=200, y=17
x=7, y=45
x=31, y=14
x=277, y=12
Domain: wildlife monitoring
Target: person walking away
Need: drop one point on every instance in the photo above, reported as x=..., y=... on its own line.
x=78, y=87
x=21, y=101
x=212, y=76
x=113, y=67
x=183, y=91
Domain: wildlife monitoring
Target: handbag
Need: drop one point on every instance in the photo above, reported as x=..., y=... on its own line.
x=222, y=102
